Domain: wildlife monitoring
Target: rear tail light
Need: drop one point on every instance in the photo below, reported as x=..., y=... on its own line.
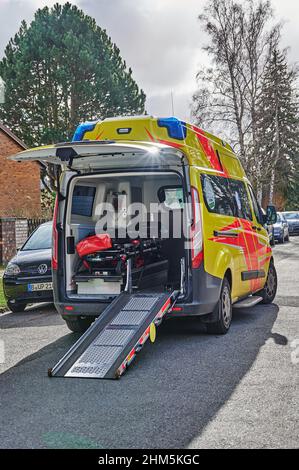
x=55, y=237
x=196, y=231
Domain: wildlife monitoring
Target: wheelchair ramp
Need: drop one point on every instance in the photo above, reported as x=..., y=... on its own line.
x=111, y=343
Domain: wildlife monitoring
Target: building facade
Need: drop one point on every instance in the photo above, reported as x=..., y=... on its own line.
x=19, y=195
x=19, y=182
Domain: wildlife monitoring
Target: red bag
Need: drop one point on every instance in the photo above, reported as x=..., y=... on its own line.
x=90, y=245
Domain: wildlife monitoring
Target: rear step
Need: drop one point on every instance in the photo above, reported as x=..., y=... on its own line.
x=110, y=344
x=248, y=302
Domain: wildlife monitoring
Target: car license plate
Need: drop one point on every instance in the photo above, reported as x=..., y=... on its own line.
x=40, y=286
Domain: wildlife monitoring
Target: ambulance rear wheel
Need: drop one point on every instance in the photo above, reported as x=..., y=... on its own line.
x=224, y=310
x=269, y=291
x=78, y=325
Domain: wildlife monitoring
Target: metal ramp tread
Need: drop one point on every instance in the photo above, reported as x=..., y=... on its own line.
x=110, y=344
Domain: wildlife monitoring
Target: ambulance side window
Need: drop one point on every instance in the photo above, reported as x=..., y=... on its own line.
x=256, y=208
x=240, y=195
x=217, y=195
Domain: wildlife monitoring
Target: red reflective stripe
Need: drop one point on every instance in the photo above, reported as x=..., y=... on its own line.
x=131, y=355
x=171, y=144
x=208, y=149
x=197, y=260
x=150, y=135
x=167, y=303
x=55, y=237
x=161, y=141
x=99, y=135
x=177, y=309
x=196, y=231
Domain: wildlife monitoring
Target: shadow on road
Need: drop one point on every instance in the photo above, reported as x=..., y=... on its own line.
x=40, y=315
x=171, y=392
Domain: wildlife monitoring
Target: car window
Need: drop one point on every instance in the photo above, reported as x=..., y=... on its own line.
x=41, y=239
x=290, y=215
x=217, y=195
x=240, y=195
x=82, y=203
x=256, y=207
x=279, y=218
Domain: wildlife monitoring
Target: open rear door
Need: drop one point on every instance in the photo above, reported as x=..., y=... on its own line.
x=92, y=155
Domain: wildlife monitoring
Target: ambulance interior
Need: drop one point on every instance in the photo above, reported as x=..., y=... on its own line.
x=154, y=243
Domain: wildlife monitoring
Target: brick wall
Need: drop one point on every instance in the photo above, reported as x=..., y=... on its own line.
x=21, y=232
x=7, y=239
x=13, y=234
x=19, y=182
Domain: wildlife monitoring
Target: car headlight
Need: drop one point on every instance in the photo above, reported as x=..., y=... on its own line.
x=12, y=269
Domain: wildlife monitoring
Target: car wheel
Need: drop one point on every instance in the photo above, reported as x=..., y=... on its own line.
x=272, y=242
x=224, y=307
x=16, y=307
x=78, y=325
x=281, y=240
x=288, y=237
x=269, y=291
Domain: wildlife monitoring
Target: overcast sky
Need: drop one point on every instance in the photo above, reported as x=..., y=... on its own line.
x=160, y=40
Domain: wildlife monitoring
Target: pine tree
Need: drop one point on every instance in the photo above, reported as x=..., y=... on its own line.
x=60, y=70
x=278, y=136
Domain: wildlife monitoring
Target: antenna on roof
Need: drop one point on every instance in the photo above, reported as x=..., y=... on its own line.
x=172, y=105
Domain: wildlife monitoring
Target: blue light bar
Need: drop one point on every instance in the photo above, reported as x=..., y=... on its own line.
x=176, y=129
x=82, y=128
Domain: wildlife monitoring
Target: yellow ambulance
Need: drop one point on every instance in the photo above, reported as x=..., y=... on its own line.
x=215, y=251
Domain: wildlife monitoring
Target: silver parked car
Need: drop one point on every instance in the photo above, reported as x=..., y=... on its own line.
x=281, y=228
x=292, y=218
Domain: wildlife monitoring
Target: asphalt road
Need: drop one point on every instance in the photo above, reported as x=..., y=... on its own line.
x=186, y=390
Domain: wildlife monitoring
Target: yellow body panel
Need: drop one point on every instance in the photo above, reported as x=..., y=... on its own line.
x=202, y=149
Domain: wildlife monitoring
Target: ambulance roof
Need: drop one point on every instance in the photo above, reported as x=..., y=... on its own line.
x=201, y=148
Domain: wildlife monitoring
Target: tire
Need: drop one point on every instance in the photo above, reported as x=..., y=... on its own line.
x=16, y=307
x=224, y=310
x=78, y=325
x=269, y=291
x=272, y=242
x=287, y=237
x=281, y=240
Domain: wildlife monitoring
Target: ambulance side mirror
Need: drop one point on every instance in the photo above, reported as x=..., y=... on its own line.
x=271, y=215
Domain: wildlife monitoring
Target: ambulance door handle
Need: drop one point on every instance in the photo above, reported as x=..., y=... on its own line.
x=225, y=234
x=254, y=227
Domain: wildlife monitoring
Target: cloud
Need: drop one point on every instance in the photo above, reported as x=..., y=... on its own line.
x=13, y=12
x=288, y=12
x=162, y=42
